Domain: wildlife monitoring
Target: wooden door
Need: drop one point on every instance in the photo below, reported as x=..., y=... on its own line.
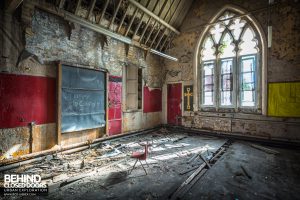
x=114, y=105
x=174, y=104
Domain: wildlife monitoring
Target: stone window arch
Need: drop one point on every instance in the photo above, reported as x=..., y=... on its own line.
x=230, y=64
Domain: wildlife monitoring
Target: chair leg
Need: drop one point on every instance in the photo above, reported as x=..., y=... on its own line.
x=146, y=163
x=133, y=166
x=143, y=167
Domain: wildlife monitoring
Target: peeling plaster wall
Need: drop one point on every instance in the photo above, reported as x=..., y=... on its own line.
x=283, y=64
x=14, y=141
x=140, y=120
x=41, y=39
x=11, y=37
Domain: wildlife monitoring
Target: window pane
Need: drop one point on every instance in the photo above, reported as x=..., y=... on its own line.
x=248, y=86
x=226, y=66
x=226, y=98
x=248, y=98
x=236, y=27
x=217, y=31
x=248, y=64
x=208, y=80
x=208, y=52
x=223, y=41
x=208, y=98
x=248, y=77
x=208, y=71
x=227, y=15
x=248, y=43
x=226, y=82
x=227, y=47
x=208, y=87
x=248, y=80
x=226, y=74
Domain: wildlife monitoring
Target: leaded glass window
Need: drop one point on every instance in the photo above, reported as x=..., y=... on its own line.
x=208, y=82
x=229, y=62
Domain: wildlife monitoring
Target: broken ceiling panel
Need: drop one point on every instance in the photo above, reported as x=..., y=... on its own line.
x=151, y=24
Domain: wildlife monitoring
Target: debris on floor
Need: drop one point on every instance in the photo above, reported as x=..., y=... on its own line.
x=176, y=164
x=267, y=150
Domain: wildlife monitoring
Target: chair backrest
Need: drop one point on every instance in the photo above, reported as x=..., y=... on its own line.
x=145, y=152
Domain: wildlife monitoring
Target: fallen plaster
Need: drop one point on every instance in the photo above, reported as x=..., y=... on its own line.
x=103, y=172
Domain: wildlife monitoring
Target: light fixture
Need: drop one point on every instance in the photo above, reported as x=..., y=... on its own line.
x=163, y=55
x=269, y=36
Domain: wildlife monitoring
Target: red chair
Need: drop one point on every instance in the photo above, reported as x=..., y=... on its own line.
x=140, y=156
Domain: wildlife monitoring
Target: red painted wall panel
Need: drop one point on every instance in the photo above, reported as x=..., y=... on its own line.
x=152, y=100
x=114, y=105
x=115, y=127
x=24, y=99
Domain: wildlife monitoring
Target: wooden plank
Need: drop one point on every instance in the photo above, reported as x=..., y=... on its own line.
x=141, y=20
x=165, y=40
x=159, y=28
x=267, y=150
x=204, y=160
x=187, y=181
x=92, y=5
x=192, y=158
x=215, y=156
x=189, y=186
x=115, y=14
x=12, y=5
x=187, y=171
x=77, y=7
x=59, y=84
x=131, y=21
x=149, y=20
x=61, y=4
x=154, y=39
x=144, y=31
x=160, y=38
x=103, y=11
x=122, y=20
x=152, y=29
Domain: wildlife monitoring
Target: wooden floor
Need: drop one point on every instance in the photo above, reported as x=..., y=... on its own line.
x=241, y=171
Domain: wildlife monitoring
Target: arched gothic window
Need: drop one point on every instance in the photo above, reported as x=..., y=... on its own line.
x=230, y=68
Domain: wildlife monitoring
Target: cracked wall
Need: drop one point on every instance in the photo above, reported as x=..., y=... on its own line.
x=283, y=64
x=32, y=45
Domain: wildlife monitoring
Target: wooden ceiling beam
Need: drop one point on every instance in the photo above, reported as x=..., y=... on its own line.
x=12, y=5
x=91, y=8
x=115, y=14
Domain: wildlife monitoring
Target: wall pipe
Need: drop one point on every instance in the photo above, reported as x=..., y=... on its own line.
x=75, y=19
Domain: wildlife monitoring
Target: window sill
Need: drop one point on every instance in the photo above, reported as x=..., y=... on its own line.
x=231, y=110
x=132, y=111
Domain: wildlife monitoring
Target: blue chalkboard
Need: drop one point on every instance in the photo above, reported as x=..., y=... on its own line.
x=83, y=99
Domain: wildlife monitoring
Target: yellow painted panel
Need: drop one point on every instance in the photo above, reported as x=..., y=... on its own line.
x=284, y=99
